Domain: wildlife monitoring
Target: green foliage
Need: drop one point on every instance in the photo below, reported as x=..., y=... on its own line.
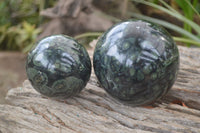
x=18, y=22
x=5, y=17
x=16, y=11
x=188, y=8
x=189, y=12
x=188, y=36
x=21, y=37
x=198, y=7
x=155, y=1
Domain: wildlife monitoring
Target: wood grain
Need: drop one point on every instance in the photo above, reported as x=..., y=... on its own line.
x=93, y=110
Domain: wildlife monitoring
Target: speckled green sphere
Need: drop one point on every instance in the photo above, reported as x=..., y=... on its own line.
x=58, y=67
x=136, y=62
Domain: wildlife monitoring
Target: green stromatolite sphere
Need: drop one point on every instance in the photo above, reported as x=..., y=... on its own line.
x=136, y=62
x=58, y=67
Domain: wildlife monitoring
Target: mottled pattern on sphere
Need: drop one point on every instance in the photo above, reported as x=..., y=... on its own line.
x=136, y=62
x=58, y=67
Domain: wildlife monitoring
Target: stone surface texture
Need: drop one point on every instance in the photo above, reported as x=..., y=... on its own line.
x=58, y=67
x=136, y=62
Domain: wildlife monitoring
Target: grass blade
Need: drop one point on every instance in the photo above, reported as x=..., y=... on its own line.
x=167, y=25
x=188, y=41
x=168, y=6
x=192, y=8
x=179, y=16
x=97, y=34
x=88, y=34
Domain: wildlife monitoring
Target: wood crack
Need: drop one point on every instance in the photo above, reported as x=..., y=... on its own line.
x=44, y=116
x=59, y=120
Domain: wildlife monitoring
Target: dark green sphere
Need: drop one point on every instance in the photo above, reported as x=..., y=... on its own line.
x=58, y=67
x=136, y=62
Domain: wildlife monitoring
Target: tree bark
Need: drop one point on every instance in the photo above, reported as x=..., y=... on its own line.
x=93, y=110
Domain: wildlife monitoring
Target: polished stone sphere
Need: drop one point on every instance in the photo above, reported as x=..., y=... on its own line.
x=136, y=62
x=58, y=67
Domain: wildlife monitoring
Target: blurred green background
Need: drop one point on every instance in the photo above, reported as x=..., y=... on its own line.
x=21, y=25
x=20, y=20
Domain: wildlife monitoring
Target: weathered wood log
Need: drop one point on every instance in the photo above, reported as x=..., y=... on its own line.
x=93, y=110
